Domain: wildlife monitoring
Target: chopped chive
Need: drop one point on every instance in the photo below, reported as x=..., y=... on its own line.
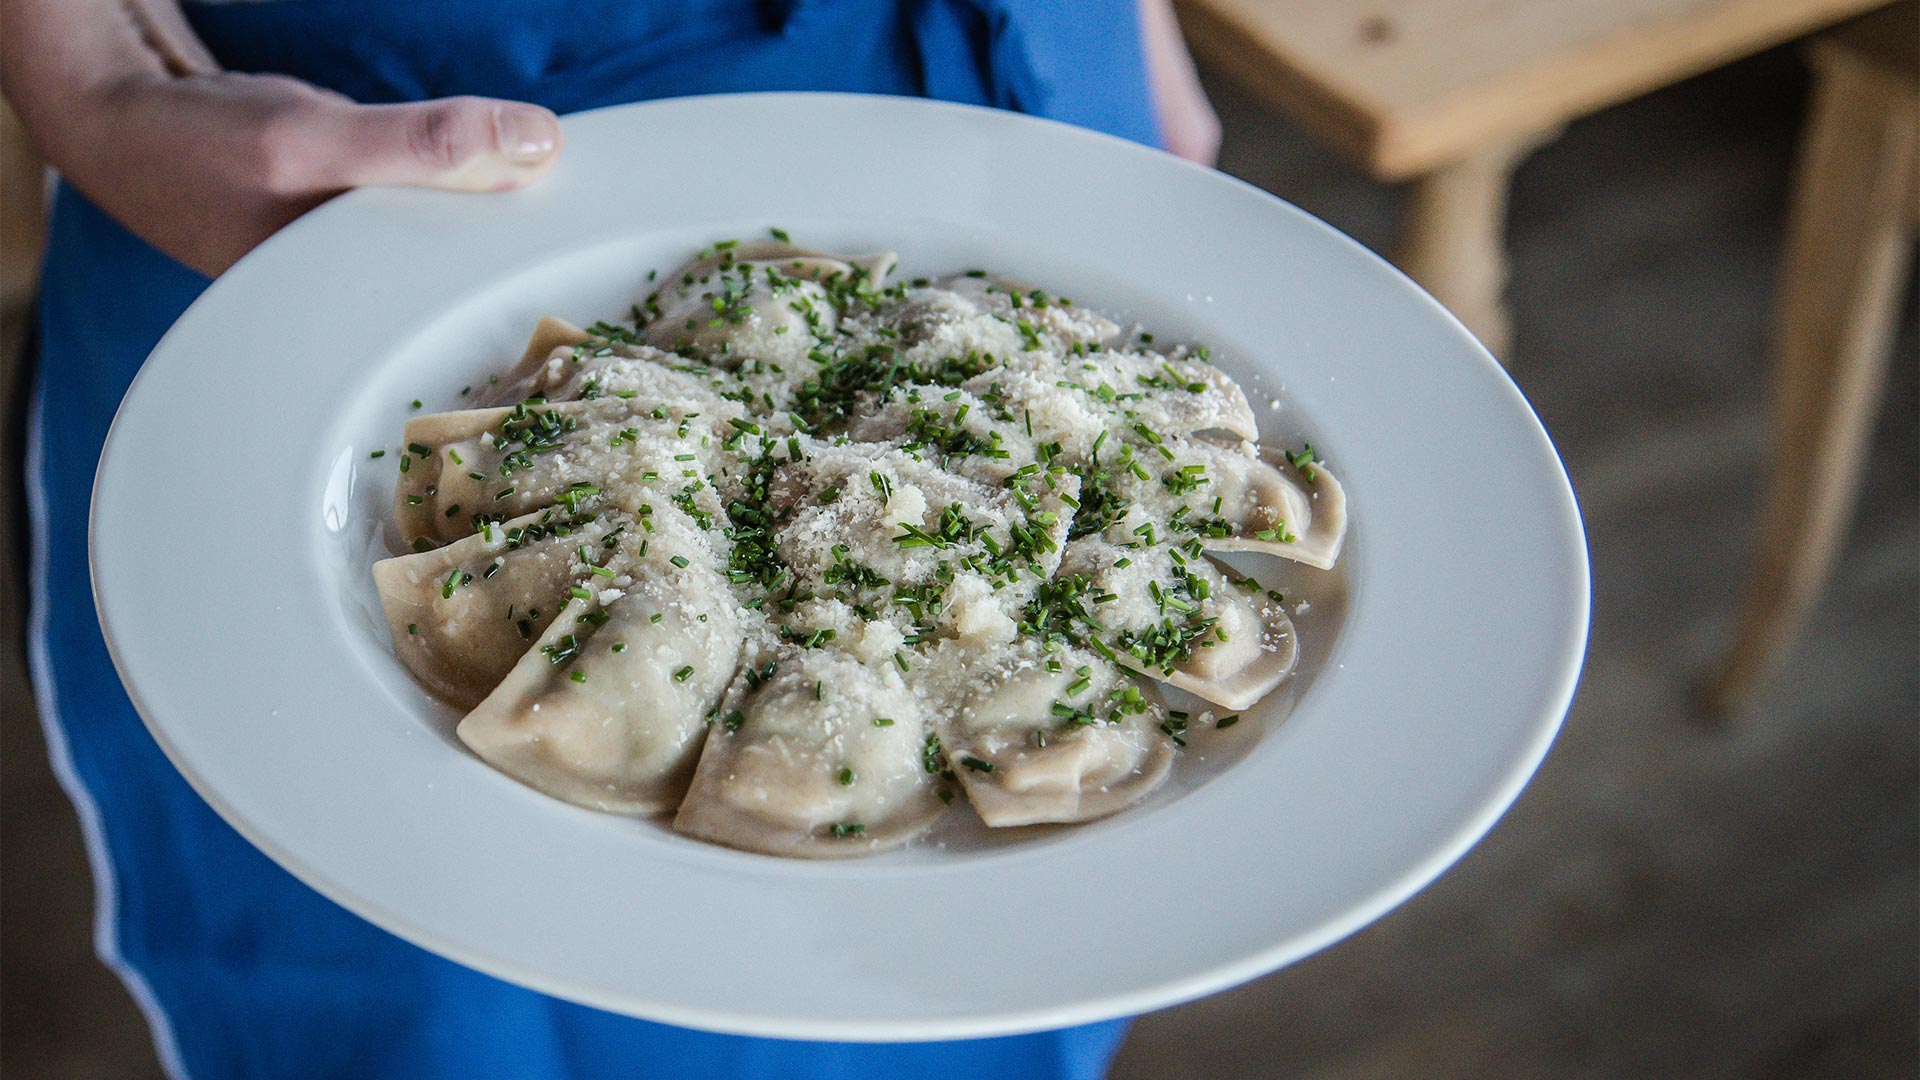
x=683, y=674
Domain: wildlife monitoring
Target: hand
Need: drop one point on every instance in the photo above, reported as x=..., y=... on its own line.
x=1187, y=120
x=205, y=164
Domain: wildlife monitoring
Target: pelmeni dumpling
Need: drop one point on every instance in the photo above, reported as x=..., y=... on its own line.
x=1048, y=317
x=1253, y=649
x=608, y=709
x=491, y=463
x=902, y=517
x=767, y=302
x=818, y=754
x=602, y=368
x=1182, y=619
x=1296, y=511
x=1177, y=396
x=1226, y=496
x=461, y=615
x=550, y=335
x=1037, y=736
x=449, y=460
x=955, y=429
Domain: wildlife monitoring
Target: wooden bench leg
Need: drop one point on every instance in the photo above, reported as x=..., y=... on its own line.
x=1846, y=253
x=1453, y=240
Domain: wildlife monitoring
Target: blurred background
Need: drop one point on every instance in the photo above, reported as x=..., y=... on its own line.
x=1687, y=229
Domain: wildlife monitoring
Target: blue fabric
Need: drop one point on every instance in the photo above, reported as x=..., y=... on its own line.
x=1080, y=62
x=249, y=973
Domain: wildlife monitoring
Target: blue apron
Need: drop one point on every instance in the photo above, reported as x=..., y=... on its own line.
x=242, y=971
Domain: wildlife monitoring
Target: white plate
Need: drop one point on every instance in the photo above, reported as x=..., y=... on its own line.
x=236, y=513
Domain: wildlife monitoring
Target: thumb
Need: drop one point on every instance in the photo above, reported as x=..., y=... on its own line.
x=461, y=143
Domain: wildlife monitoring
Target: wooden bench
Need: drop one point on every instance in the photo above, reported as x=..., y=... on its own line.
x=1452, y=94
x=1849, y=245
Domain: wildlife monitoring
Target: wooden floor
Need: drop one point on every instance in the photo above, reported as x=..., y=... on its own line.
x=1665, y=900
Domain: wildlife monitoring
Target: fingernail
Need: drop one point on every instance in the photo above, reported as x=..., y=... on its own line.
x=527, y=134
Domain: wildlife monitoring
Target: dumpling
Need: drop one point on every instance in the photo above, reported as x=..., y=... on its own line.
x=937, y=325
x=1048, y=316
x=1036, y=736
x=816, y=754
x=1183, y=397
x=552, y=337
x=956, y=553
x=1178, y=618
x=602, y=368
x=954, y=429
x=792, y=260
x=1228, y=497
x=768, y=302
x=465, y=467
x=608, y=710
x=1252, y=650
x=1297, y=511
x=436, y=447
x=461, y=615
